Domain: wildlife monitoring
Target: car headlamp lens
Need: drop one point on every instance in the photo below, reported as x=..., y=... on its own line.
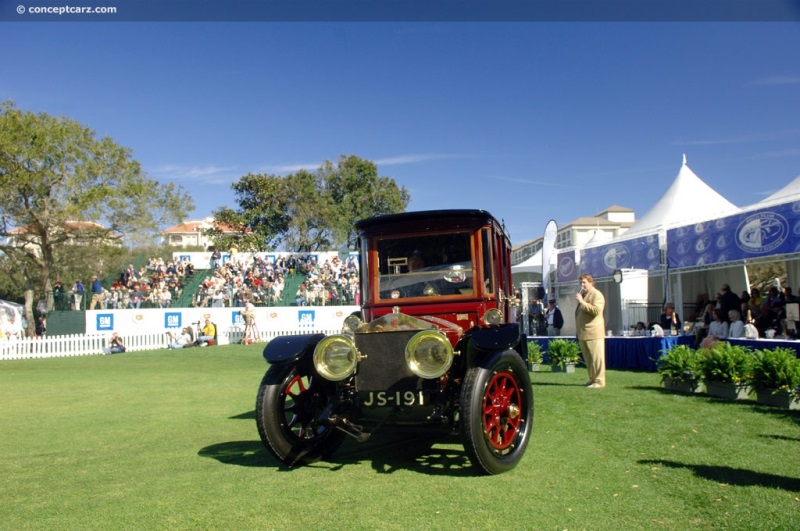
x=335, y=358
x=493, y=317
x=352, y=323
x=429, y=354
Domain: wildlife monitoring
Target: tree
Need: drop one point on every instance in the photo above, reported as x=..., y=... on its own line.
x=307, y=211
x=357, y=192
x=62, y=186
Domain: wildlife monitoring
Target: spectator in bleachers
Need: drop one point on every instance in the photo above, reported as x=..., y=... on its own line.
x=77, y=295
x=97, y=294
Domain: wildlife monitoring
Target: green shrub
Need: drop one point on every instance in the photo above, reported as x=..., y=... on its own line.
x=535, y=354
x=563, y=351
x=679, y=364
x=776, y=368
x=724, y=362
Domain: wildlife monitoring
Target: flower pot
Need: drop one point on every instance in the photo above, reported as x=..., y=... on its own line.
x=682, y=386
x=727, y=390
x=568, y=368
x=533, y=366
x=780, y=398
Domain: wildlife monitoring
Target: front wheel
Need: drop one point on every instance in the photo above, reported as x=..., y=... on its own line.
x=288, y=409
x=497, y=412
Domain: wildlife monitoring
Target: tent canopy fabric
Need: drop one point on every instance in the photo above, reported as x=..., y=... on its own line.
x=688, y=199
x=533, y=264
x=786, y=193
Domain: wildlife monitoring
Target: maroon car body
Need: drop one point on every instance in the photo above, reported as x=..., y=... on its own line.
x=436, y=345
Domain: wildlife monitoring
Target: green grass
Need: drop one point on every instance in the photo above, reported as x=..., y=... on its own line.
x=167, y=440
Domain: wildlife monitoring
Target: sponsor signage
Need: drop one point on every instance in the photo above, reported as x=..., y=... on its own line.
x=767, y=232
x=105, y=322
x=637, y=253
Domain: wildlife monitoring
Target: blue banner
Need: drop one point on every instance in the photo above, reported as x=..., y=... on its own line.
x=638, y=253
x=566, y=269
x=769, y=231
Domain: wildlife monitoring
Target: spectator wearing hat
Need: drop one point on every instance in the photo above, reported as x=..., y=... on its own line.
x=59, y=296
x=98, y=297
x=555, y=321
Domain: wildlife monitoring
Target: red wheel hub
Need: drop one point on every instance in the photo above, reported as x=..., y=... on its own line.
x=502, y=410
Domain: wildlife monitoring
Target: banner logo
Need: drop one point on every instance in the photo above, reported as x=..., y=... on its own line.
x=616, y=257
x=105, y=321
x=172, y=320
x=566, y=266
x=762, y=233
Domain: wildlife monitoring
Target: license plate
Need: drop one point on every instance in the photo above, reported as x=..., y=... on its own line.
x=394, y=398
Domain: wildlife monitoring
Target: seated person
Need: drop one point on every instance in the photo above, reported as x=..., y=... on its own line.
x=209, y=334
x=640, y=329
x=115, y=345
x=718, y=327
x=736, y=327
x=182, y=340
x=669, y=320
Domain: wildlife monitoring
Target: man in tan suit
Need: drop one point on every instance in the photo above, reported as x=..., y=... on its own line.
x=591, y=329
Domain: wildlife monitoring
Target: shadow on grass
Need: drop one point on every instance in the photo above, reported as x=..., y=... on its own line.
x=733, y=476
x=386, y=452
x=240, y=453
x=250, y=415
x=782, y=438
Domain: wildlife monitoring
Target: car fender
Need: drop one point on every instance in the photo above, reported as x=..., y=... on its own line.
x=290, y=349
x=497, y=338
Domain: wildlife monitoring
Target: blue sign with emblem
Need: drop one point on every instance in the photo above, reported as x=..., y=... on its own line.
x=305, y=318
x=758, y=233
x=636, y=253
x=172, y=320
x=105, y=322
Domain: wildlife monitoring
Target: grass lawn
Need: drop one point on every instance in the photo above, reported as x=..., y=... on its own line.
x=167, y=440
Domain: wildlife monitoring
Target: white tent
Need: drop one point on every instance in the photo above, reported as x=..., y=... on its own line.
x=785, y=194
x=533, y=264
x=688, y=199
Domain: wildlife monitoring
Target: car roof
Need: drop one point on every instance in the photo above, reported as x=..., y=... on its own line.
x=428, y=219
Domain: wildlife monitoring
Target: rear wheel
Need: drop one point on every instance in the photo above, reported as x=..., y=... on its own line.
x=497, y=412
x=288, y=408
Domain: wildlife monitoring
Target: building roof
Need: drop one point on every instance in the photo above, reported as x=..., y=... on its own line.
x=188, y=227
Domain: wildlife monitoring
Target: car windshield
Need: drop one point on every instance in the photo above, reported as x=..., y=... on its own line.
x=425, y=266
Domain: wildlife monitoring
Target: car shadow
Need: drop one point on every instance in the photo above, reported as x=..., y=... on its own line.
x=386, y=452
x=732, y=476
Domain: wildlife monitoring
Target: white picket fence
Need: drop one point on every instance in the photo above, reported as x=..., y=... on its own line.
x=86, y=345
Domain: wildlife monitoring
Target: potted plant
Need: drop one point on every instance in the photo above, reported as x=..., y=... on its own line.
x=564, y=354
x=776, y=378
x=726, y=370
x=535, y=356
x=678, y=368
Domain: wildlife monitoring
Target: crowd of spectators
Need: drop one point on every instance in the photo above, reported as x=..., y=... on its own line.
x=258, y=280
x=732, y=315
x=154, y=285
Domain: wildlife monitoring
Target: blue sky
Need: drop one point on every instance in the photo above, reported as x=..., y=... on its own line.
x=530, y=121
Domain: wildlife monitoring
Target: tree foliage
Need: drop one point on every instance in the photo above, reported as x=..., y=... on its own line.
x=67, y=192
x=307, y=210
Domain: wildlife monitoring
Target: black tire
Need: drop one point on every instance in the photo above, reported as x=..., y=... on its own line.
x=496, y=414
x=287, y=411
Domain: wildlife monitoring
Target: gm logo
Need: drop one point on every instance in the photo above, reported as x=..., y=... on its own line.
x=236, y=319
x=105, y=321
x=761, y=233
x=306, y=318
x=172, y=320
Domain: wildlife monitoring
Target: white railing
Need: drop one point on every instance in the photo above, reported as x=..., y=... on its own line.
x=85, y=345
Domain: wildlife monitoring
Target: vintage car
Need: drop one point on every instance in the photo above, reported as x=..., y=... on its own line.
x=436, y=345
